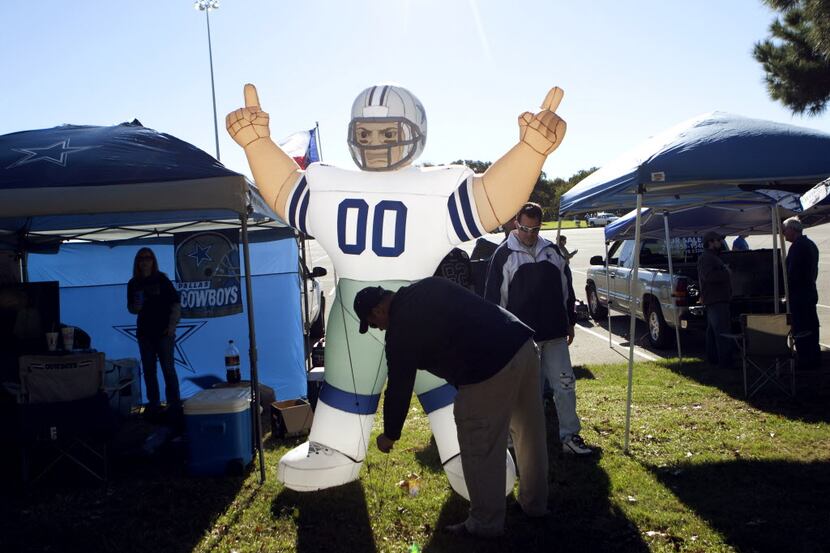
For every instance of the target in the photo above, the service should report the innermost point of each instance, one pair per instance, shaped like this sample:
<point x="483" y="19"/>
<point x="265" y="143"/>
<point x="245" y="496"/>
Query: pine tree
<point x="796" y="57"/>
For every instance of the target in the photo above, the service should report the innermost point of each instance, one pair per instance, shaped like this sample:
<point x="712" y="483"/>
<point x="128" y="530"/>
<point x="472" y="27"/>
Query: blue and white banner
<point x="207" y="273"/>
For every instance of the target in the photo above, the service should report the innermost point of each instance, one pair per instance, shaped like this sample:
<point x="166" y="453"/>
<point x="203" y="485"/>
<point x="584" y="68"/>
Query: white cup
<point x="52" y="341"/>
<point x="68" y="334"/>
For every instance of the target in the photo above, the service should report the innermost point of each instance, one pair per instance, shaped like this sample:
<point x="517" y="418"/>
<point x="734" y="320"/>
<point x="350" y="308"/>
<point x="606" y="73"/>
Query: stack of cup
<point x="52" y="341"/>
<point x="68" y="335"/>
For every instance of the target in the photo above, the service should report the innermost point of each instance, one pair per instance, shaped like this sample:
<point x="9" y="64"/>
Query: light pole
<point x="206" y="6"/>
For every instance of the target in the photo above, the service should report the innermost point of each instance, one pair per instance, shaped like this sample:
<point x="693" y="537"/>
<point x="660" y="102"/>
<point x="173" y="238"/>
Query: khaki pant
<point x="484" y="413"/>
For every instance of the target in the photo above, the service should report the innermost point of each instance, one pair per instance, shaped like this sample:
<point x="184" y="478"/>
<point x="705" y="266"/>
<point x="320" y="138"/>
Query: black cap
<point x="365" y="301"/>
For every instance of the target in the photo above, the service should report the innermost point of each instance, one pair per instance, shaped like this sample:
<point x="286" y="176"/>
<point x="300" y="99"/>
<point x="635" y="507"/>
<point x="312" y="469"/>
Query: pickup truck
<point x="601" y="219"/>
<point x="751" y="275"/>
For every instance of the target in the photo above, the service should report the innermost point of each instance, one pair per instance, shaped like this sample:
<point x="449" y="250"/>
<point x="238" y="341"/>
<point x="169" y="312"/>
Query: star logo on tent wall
<point x="58" y="154"/>
<point x="200" y="253"/>
<point x="184" y="330"/>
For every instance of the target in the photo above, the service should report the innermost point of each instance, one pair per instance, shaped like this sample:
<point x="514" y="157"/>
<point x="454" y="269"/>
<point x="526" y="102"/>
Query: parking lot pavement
<point x="591" y="343"/>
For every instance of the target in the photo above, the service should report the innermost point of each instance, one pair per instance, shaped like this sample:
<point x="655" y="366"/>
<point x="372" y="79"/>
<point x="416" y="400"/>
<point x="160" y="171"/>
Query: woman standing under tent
<point x="152" y="297"/>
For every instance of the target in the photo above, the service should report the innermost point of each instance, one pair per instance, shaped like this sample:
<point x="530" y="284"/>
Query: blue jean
<point x="718" y="322"/>
<point x="160" y="349"/>
<point x="557" y="369"/>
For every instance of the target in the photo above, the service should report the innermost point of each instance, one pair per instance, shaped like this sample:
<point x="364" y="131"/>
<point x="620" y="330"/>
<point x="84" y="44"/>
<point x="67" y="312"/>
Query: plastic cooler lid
<point x="218" y="401"/>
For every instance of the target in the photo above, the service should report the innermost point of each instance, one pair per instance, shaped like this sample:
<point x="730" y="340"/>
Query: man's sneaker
<point x="576" y="445"/>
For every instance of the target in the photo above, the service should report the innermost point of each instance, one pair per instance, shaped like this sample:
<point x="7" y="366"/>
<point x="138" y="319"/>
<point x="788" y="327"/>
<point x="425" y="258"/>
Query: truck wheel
<point x="659" y="333"/>
<point x="595" y="309"/>
<point x="318" y="327"/>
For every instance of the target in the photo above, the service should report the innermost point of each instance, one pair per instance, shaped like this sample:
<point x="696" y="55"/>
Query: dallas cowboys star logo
<point x="200" y="253"/>
<point x="58" y="154"/>
<point x="184" y="330"/>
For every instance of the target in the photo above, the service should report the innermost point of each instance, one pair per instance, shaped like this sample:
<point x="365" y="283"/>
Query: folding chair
<point x="767" y="352"/>
<point x="63" y="414"/>
<point x="67" y="432"/>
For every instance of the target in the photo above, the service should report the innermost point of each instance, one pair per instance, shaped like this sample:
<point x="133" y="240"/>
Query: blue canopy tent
<point x="726" y="218"/>
<point x="126" y="184"/>
<point x="713" y="157"/>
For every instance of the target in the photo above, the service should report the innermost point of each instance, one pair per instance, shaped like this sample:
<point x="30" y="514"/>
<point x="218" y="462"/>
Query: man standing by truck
<point x="802" y="272"/>
<point x="715" y="294"/>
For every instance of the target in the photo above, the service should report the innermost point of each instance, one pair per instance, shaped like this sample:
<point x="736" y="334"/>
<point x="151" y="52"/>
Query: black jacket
<point x="535" y="284"/>
<point x="438" y="326"/>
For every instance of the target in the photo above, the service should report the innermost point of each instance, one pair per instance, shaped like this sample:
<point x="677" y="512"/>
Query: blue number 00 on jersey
<point x="388" y="232"/>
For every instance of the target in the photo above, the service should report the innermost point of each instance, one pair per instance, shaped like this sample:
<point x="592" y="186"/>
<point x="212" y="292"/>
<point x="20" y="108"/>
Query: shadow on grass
<point x="758" y="505"/>
<point x="428" y="457"/>
<point x="582" y="373"/>
<point x="809" y="405"/>
<point x="335" y="518"/>
<point x="691" y="341"/>
<point x="583" y="518"/>
<point x="149" y="504"/>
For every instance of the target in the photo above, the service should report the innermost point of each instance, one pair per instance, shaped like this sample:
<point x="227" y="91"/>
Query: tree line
<point x="546" y="192"/>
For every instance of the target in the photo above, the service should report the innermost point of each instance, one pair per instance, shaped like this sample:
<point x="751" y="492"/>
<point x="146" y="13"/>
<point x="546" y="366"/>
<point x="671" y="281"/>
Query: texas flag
<point x="302" y="146"/>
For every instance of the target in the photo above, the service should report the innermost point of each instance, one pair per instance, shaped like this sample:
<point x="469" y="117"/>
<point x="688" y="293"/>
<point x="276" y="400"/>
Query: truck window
<point x="684" y="249"/>
<point x="626" y="257"/>
<point x="653" y="252"/>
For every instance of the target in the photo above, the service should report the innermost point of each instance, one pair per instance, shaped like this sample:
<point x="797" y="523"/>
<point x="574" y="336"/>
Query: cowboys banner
<point x="207" y="273"/>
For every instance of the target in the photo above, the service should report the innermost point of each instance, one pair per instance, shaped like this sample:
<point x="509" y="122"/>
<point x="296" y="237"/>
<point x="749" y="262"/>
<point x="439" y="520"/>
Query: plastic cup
<point x="52" y="341"/>
<point x="68" y="335"/>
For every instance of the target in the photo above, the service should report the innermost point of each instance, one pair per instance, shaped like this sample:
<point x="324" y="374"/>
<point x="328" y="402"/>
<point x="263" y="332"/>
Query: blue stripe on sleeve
<point x="295" y="200"/>
<point x="456" y="220"/>
<point x="301" y="220"/>
<point x="468" y="211"/>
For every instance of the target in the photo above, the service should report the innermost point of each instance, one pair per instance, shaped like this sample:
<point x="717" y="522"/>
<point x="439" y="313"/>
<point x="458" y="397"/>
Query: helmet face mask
<point x="383" y="144"/>
<point x="388" y="128"/>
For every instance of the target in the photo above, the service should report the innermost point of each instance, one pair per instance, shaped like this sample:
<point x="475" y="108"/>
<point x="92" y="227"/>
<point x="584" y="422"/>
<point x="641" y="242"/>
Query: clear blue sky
<point x="629" y="69"/>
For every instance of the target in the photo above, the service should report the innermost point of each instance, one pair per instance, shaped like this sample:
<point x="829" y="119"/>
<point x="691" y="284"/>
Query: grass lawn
<point x="707" y="471"/>
<point x="566" y="224"/>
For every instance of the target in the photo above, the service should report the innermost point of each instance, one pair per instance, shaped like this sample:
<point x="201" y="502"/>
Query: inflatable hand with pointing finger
<point x="388" y="224"/>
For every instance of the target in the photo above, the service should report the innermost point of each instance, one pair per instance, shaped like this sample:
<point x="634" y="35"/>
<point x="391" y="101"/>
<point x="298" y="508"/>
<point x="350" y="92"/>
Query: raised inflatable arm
<point x="274" y="172"/>
<point x="507" y="184"/>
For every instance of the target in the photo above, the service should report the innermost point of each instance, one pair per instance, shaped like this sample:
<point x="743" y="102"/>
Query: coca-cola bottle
<point x="232" y="371"/>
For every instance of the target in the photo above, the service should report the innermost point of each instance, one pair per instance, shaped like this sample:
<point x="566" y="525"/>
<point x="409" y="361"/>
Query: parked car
<point x="752" y="285"/>
<point x="601" y="219"/>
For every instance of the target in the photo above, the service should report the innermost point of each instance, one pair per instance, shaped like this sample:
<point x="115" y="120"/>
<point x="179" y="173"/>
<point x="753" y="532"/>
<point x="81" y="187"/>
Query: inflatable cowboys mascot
<point x="388" y="224"/>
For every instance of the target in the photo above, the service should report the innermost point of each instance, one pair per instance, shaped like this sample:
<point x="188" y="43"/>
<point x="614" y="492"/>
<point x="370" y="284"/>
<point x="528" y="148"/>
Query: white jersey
<point x="388" y="225"/>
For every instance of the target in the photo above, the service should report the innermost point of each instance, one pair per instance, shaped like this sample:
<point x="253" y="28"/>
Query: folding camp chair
<point x="63" y="414"/>
<point x="767" y="353"/>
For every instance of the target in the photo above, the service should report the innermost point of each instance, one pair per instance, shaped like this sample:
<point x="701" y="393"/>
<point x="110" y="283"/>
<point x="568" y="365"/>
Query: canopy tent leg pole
<point x="306" y="323"/>
<point x="783" y="253"/>
<point x="632" y="308"/>
<point x="776" y="305"/>
<point x="607" y="295"/>
<point x="252" y="351"/>
<point x="558" y="229"/>
<point x="671" y="287"/>
<point x="23" y="262"/>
